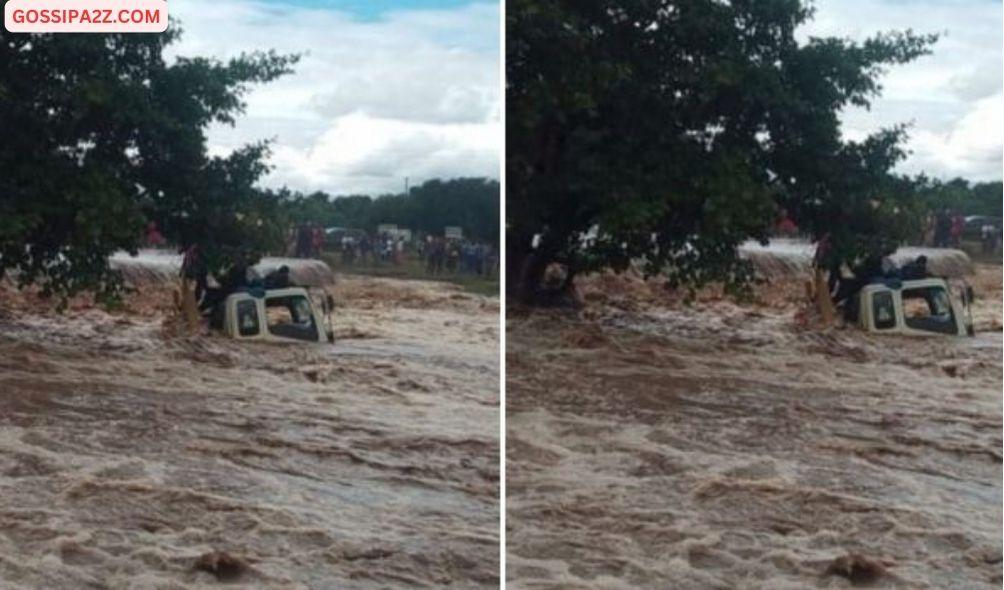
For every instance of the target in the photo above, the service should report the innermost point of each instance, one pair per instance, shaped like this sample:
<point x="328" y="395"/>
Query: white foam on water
<point x="789" y="258"/>
<point x="162" y="266"/>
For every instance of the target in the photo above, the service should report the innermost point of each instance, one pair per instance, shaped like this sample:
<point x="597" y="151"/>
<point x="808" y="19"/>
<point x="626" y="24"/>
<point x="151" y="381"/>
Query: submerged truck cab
<point x="281" y="315"/>
<point x="922" y="307"/>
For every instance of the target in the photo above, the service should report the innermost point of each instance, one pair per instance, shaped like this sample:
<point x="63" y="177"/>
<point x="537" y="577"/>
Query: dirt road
<point x="131" y="459"/>
<point x="654" y="446"/>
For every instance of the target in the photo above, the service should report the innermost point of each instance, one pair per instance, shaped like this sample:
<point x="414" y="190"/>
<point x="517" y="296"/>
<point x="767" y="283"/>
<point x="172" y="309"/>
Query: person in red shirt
<point x="317" y="240"/>
<point x="154" y="239"/>
<point x="958" y="224"/>
<point x="785" y="226"/>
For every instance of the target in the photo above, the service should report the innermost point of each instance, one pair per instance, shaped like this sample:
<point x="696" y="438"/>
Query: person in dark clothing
<point x="304" y="241"/>
<point x="942" y="229"/>
<point x="844" y="290"/>
<point x="958" y="226"/>
<point x="194" y="268"/>
<point x="278" y="279"/>
<point x="914" y="270"/>
<point x="234" y="279"/>
<point x="869" y="269"/>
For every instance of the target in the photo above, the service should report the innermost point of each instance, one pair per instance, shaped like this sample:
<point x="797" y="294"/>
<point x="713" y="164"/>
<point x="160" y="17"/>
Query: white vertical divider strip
<point x="502" y="301"/>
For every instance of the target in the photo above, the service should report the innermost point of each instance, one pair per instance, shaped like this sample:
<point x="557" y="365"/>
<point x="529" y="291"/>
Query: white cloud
<point x="364" y="151"/>
<point x="415" y="93"/>
<point x="972" y="148"/>
<point x="953" y="98"/>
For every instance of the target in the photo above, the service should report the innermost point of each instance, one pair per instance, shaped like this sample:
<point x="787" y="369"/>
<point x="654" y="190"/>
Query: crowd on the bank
<point x="308" y="240"/>
<point x="364" y="249"/>
<point x="445" y="255"/>
<point x="438" y="255"/>
<point x="946" y="228"/>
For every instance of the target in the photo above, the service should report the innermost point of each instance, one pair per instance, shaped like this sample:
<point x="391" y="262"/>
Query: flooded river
<point x="652" y="445"/>
<point x="130" y="458"/>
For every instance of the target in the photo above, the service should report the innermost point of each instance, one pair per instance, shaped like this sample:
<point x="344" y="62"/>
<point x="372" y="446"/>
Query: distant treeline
<point x="981" y="198"/>
<point x="471" y="203"/>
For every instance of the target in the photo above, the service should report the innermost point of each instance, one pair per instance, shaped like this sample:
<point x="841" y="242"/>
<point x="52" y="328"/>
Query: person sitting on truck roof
<point x="845" y="289"/>
<point x="915" y="269"/>
<point x="278" y="279"/>
<point x="235" y="278"/>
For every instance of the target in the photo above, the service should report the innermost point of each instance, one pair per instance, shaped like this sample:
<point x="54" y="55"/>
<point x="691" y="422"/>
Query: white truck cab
<point x="922" y="307"/>
<point x="278" y="315"/>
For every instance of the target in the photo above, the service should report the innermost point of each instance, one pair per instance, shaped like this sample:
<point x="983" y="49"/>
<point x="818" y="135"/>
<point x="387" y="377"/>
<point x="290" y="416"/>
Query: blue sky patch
<point x="374" y="9"/>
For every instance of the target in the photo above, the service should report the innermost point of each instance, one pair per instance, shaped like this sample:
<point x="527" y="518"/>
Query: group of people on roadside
<point x="308" y="240"/>
<point x="444" y="255"/>
<point x="438" y="254"/>
<point x="381" y="249"/>
<point x="945" y="228"/>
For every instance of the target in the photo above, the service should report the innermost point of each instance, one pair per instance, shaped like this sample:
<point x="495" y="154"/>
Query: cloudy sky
<point x="395" y="88"/>
<point x="385" y="88"/>
<point x="954" y="97"/>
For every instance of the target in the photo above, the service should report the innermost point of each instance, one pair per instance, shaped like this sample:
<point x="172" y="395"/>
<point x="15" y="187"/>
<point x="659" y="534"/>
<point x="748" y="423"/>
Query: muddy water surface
<point x="132" y="459"/>
<point x="724" y="446"/>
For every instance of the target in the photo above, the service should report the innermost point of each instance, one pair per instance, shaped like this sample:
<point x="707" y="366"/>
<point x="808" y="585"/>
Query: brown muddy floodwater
<point x="723" y="446"/>
<point x="132" y="459"/>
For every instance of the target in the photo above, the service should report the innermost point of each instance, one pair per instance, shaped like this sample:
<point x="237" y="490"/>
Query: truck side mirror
<point x="330" y="301"/>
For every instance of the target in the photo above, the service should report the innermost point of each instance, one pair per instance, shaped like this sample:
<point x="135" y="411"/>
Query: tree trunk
<point x="514" y="260"/>
<point x="531" y="275"/>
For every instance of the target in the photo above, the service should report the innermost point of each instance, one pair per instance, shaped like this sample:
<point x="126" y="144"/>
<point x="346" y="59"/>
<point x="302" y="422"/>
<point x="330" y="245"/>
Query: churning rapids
<point x="654" y="445"/>
<point x="131" y="458"/>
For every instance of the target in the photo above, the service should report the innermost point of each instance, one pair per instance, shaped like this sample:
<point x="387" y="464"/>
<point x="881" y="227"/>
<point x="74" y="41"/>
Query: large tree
<point x="671" y="131"/>
<point x="102" y="134"/>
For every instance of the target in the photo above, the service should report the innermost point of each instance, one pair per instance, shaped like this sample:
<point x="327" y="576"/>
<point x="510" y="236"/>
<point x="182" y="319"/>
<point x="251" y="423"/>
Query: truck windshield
<point x="928" y="309"/>
<point x="291" y="317"/>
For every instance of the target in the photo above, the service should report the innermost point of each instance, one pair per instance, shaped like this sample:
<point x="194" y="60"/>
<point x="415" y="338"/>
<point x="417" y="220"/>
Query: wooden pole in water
<point x="823" y="301"/>
<point x="188" y="307"/>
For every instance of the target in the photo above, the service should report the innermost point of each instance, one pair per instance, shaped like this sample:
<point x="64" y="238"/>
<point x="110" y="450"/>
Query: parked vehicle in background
<point x="335" y="235"/>
<point x="976" y="223"/>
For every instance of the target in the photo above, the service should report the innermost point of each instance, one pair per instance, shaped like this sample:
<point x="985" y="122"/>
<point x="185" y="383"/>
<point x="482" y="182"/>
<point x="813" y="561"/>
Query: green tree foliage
<point x="471" y="203"/>
<point x="102" y="134"/>
<point x="671" y="131"/>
